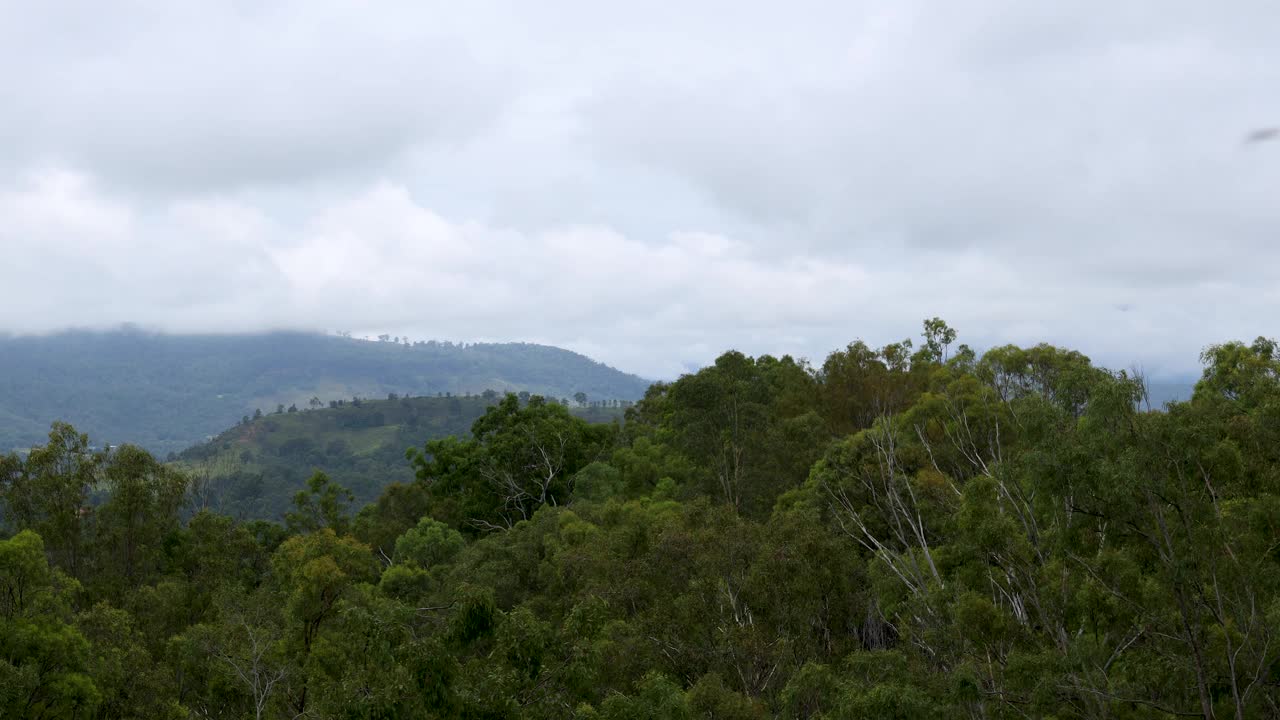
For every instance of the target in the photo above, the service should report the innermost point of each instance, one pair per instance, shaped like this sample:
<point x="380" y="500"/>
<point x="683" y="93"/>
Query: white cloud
<point x="219" y="95"/>
<point x="380" y="260"/>
<point x="650" y="184"/>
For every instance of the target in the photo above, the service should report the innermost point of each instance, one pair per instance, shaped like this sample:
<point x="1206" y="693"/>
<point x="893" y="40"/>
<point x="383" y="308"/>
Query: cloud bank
<point x="650" y="186"/>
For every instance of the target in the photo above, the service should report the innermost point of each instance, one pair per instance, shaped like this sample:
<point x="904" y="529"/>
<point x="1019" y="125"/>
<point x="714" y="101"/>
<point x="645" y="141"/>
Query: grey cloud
<point x="213" y="97"/>
<point x="651" y="183"/>
<point x="963" y="127"/>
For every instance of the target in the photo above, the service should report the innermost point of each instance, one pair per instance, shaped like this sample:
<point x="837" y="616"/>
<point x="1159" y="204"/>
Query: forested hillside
<point x="168" y="392"/>
<point x="253" y="470"/>
<point x="911" y="532"/>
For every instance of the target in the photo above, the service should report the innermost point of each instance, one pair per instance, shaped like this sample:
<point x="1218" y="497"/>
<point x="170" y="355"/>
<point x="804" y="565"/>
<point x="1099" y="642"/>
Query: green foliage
<point x="322" y="505"/>
<point x="656" y="698"/>
<point x="25" y="576"/>
<point x="748" y="425"/>
<point x="522" y="456"/>
<point x="140" y="512"/>
<point x="131" y="684"/>
<point x="1243" y="373"/>
<point x="903" y="533"/>
<point x="710" y="698"/>
<point x="44" y="658"/>
<point x="256" y="468"/>
<point x="397" y="509"/>
<point x="48" y="494"/>
<point x="428" y="544"/>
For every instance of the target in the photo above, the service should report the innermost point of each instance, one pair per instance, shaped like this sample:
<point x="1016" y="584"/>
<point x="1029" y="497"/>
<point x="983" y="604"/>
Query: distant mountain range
<point x="169" y="392"/>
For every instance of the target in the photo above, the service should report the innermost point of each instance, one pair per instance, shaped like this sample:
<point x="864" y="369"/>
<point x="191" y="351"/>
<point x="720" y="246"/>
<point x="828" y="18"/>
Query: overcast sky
<point x="648" y="183"/>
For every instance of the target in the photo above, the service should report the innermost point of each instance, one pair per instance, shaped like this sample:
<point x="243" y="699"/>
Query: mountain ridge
<point x="167" y="392"/>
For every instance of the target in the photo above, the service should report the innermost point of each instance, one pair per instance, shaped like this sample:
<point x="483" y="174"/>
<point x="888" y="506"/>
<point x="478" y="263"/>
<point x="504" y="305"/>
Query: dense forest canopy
<point x="168" y="392"/>
<point x="913" y="531"/>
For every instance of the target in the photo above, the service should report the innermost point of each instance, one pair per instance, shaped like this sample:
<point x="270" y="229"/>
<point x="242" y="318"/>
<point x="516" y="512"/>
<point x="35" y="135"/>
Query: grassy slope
<point x="167" y="392"/>
<point x="254" y="470"/>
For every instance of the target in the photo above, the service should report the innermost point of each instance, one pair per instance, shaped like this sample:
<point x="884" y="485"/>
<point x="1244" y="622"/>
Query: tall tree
<point x="522" y="456"/>
<point x="49" y="494"/>
<point x="141" y="509"/>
